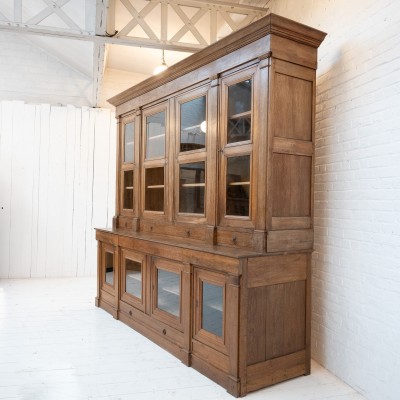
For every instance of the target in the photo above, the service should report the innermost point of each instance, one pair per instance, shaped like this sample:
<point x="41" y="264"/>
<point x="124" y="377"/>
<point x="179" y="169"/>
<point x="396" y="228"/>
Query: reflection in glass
<point x="168" y="293"/>
<point x="155" y="135"/>
<point x="191" y="188"/>
<point x="238" y="186"/>
<point x="239" y="112"/>
<point x="133" y="278"/>
<point x="212" y="308"/>
<point x="129" y="143"/>
<point x="109" y="268"/>
<point x="154" y="194"/>
<point x="128" y="190"/>
<point x="193" y="124"/>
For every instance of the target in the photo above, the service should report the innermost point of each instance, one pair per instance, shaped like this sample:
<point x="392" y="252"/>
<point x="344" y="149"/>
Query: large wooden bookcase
<point x="209" y="255"/>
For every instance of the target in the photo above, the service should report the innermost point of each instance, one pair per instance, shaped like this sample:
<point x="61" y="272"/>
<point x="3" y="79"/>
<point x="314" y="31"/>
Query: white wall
<point x="356" y="268"/>
<point x="57" y="182"/>
<point x="116" y="81"/>
<point x="34" y="75"/>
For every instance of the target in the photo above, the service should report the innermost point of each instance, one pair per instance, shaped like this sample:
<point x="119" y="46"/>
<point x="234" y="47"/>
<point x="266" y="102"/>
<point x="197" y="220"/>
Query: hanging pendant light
<point x="161" y="67"/>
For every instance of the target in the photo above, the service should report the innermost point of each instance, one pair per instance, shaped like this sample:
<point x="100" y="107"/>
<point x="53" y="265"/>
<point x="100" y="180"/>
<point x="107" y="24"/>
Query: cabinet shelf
<point x="155" y="187"/>
<point x="129" y="143"/>
<point x="238" y="183"/>
<point x="193" y="185"/>
<point x="156" y="137"/>
<point x="240" y="115"/>
<point x="128" y="187"/>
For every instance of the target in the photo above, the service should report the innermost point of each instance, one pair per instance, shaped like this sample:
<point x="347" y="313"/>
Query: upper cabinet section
<point x="219" y="148"/>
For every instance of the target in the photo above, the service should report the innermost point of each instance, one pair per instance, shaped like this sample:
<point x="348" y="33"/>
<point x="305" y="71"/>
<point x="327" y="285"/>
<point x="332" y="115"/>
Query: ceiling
<point x="124" y="35"/>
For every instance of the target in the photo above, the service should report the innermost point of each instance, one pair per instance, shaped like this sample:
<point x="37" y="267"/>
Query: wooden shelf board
<point x="238" y="183"/>
<point x="156" y="137"/>
<point x="240" y="115"/>
<point x="193" y="185"/>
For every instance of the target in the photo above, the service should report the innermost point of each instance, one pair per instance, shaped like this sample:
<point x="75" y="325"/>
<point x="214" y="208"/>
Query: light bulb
<point x="161" y="67"/>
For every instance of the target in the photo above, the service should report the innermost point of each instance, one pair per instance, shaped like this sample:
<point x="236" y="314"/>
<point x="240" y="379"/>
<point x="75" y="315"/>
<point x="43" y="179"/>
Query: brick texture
<point x="356" y="263"/>
<point x="31" y="74"/>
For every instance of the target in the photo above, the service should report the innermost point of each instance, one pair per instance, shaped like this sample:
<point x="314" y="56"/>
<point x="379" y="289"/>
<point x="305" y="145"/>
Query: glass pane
<point x="128" y="190"/>
<point x="129" y="143"/>
<point x="109" y="268"/>
<point x="155" y="135"/>
<point x="168" y="294"/>
<point x="238" y="186"/>
<point x="212" y="308"/>
<point x="133" y="278"/>
<point x="239" y="112"/>
<point x="154" y="195"/>
<point x="191" y="188"/>
<point x="193" y="124"/>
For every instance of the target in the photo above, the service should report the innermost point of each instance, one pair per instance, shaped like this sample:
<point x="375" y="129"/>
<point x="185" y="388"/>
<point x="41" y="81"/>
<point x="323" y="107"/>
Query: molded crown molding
<point x="270" y="24"/>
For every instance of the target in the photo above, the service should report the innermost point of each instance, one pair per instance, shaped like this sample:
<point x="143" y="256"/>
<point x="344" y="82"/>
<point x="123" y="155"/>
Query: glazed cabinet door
<point x="237" y="199"/>
<point x="210" y="303"/>
<point x="108" y="275"/>
<point x="128" y="165"/>
<point x="133" y="278"/>
<point x="191" y="139"/>
<point x="170" y="292"/>
<point x="109" y="270"/>
<point x="155" y="175"/>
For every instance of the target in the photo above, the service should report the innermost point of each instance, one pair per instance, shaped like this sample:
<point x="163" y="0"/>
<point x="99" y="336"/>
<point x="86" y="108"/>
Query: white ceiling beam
<point x="218" y="5"/>
<point x="105" y="22"/>
<point x="99" y="62"/>
<point x="88" y="36"/>
<point x="42" y="15"/>
<point x="201" y="8"/>
<point x="189" y="24"/>
<point x="164" y="22"/>
<point x="134" y="22"/>
<point x="105" y="17"/>
<point x="61" y="14"/>
<point x="136" y="15"/>
<point x="111" y="18"/>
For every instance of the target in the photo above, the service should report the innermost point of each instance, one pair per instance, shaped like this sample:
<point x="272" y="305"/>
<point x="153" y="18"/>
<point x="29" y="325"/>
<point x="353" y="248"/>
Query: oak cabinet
<point x="209" y="255"/>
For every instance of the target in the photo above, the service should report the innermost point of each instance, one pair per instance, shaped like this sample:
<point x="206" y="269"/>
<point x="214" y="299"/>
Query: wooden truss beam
<point x="105" y="33"/>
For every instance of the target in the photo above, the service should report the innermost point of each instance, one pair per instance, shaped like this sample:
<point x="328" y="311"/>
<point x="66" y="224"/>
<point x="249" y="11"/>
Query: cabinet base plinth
<point x="107" y="307"/>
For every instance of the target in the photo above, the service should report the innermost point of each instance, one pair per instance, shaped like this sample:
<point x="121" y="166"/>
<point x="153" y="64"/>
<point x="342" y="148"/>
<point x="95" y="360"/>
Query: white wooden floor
<point x="55" y="345"/>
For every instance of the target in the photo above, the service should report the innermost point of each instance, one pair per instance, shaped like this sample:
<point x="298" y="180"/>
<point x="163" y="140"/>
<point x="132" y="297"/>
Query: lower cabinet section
<point x="238" y="317"/>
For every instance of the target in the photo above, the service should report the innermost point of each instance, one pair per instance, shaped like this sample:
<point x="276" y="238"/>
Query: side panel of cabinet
<point x="278" y="322"/>
<point x="290" y="157"/>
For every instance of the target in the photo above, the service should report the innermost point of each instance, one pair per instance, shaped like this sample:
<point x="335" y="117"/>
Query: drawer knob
<point x="130" y="312"/>
<point x="164" y="331"/>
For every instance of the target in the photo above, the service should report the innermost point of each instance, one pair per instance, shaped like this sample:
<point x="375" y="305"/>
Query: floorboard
<point x="55" y="345"/>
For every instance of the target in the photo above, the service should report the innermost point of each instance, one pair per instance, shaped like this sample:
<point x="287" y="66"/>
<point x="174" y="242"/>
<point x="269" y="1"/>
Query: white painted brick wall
<point x="30" y="74"/>
<point x="356" y="264"/>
